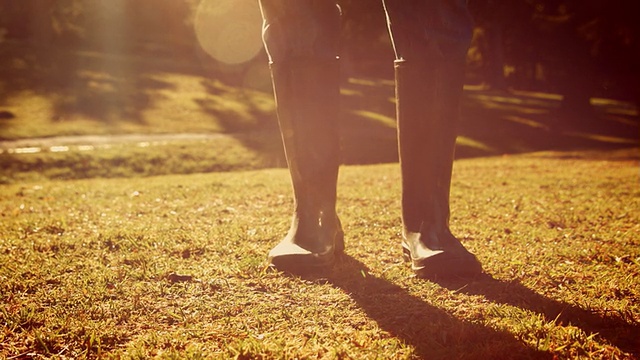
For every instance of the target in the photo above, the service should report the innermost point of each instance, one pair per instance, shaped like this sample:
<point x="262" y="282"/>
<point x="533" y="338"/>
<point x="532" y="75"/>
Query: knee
<point x="298" y="29"/>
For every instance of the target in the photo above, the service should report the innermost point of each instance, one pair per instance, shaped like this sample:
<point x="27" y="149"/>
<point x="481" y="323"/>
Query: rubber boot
<point x="307" y="95"/>
<point x="428" y="95"/>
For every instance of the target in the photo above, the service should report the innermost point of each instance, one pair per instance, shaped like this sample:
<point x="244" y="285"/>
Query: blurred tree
<point x="616" y="49"/>
<point x="37" y="26"/>
<point x="595" y="49"/>
<point x="366" y="47"/>
<point x="569" y="29"/>
<point x="492" y="18"/>
<point x="579" y="48"/>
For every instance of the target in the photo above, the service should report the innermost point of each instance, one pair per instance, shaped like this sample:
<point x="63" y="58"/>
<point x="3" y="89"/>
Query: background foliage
<point x="579" y="48"/>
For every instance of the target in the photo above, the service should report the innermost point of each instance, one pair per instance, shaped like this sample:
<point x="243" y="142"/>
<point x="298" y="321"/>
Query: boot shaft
<point x="307" y="97"/>
<point x="428" y="99"/>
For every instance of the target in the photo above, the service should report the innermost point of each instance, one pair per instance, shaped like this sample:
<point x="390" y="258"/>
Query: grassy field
<point x="145" y="248"/>
<point x="174" y="266"/>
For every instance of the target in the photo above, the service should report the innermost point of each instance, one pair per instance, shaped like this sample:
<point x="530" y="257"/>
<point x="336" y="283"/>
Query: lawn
<point x="156" y="248"/>
<point x="174" y="266"/>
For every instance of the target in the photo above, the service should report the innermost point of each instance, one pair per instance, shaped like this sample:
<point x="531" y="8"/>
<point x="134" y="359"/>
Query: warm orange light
<point x="229" y="30"/>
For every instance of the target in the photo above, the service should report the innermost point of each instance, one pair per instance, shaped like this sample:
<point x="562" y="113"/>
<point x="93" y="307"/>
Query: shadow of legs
<point x="431" y="331"/>
<point x="611" y="328"/>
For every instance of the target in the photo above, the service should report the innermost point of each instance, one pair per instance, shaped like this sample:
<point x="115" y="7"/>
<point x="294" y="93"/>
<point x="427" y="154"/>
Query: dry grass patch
<point x="173" y="267"/>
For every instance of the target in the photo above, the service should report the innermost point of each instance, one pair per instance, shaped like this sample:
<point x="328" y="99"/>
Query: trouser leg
<point x="301" y="38"/>
<point x="430" y="39"/>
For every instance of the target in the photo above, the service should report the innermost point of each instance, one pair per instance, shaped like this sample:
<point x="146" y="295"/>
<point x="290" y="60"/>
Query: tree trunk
<point x="495" y="67"/>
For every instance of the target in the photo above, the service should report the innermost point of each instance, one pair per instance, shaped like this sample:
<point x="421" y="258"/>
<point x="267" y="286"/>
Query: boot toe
<point x="292" y="258"/>
<point x="444" y="264"/>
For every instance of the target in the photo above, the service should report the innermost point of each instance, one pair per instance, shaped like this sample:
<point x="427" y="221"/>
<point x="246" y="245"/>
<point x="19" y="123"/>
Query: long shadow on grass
<point x="431" y="331"/>
<point x="613" y="328"/>
<point x="518" y="122"/>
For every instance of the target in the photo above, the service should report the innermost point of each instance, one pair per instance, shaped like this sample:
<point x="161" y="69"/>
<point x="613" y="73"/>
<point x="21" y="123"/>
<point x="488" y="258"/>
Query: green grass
<point x="131" y="251"/>
<point x="141" y="159"/>
<point x="173" y="266"/>
<point x="52" y="92"/>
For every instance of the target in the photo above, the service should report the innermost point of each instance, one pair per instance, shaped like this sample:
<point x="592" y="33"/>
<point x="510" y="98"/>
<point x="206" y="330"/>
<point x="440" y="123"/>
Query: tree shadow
<point x="368" y="121"/>
<point x="104" y="67"/>
<point x="105" y="87"/>
<point x="610" y="327"/>
<point x="116" y="88"/>
<point x="108" y="88"/>
<point x="245" y="113"/>
<point x="492" y="123"/>
<point x="93" y="61"/>
<point x="431" y="331"/>
<point x="239" y="109"/>
<point x="519" y="122"/>
<point x="367" y="135"/>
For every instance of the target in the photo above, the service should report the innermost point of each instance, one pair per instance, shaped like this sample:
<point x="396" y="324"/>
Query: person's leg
<point x="301" y="39"/>
<point x="430" y="39"/>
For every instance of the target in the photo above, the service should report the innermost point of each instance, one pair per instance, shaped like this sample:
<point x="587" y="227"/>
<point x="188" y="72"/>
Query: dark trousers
<point x="420" y="30"/>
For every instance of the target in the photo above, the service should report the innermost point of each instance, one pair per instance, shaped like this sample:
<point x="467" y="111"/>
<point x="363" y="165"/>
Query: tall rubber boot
<point x="428" y="95"/>
<point x="307" y="95"/>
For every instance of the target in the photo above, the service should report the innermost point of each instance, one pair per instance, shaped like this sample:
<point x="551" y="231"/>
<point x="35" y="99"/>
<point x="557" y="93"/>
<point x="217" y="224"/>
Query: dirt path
<point x="91" y="142"/>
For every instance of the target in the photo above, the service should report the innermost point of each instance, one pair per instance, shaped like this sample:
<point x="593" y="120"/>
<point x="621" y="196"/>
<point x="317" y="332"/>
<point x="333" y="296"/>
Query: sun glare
<point x="229" y="30"/>
<point x="110" y="21"/>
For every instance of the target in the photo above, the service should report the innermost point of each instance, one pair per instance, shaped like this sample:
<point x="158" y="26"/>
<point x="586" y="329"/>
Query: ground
<point x="174" y="266"/>
<point x="122" y="237"/>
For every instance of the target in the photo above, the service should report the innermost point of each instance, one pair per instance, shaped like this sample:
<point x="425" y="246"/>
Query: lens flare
<point x="229" y="30"/>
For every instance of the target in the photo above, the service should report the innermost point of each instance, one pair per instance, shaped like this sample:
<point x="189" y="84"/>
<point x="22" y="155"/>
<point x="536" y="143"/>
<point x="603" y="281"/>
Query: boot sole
<point x="444" y="265"/>
<point x="303" y="264"/>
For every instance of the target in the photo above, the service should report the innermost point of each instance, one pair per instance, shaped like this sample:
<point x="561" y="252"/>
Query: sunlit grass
<point x="604" y="139"/>
<point x="100" y="256"/>
<point x="525" y="121"/>
<point x="464" y="141"/>
<point x="108" y="160"/>
<point x="173" y="266"/>
<point x="89" y="92"/>
<point x="182" y="104"/>
<point x="377" y="118"/>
